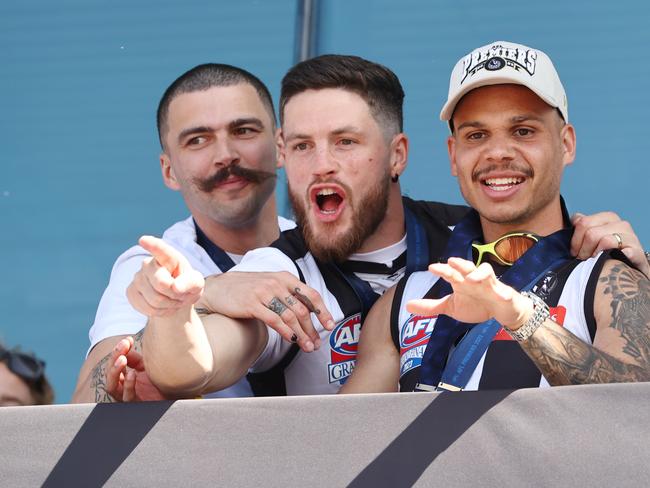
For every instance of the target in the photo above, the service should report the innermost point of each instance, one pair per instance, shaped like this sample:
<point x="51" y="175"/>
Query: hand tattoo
<point x="305" y="301"/>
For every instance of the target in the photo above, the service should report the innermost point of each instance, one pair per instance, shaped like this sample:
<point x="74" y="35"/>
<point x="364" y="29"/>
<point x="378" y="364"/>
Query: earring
<point x="394" y="178"/>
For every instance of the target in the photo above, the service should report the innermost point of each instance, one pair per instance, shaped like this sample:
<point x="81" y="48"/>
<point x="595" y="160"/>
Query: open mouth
<point x="328" y="201"/>
<point x="502" y="184"/>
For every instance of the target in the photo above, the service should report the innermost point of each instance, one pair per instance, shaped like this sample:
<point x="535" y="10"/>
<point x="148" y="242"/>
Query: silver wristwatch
<point x="540" y="314"/>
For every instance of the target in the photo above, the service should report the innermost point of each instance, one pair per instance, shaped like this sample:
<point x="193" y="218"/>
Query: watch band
<point x="540" y="313"/>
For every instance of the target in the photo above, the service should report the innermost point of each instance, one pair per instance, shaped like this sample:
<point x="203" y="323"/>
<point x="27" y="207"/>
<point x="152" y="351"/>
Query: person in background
<point x="22" y="379"/>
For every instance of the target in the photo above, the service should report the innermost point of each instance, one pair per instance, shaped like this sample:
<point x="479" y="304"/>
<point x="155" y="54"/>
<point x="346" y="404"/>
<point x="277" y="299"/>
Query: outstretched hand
<point x="166" y="281"/>
<point x="478" y="296"/>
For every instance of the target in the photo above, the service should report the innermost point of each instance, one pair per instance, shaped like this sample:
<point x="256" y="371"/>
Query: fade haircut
<point x="377" y="85"/>
<point x="204" y="77"/>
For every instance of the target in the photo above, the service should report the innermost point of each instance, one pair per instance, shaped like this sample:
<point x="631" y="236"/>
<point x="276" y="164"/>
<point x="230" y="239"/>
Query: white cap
<point x="504" y="62"/>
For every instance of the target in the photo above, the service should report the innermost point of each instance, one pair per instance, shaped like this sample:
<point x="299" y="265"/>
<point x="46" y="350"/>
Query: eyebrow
<point x="518" y="119"/>
<point x="201" y="129"/>
<point x="342" y="130"/>
<point x="246" y="121"/>
<point x="471" y="123"/>
<point x="526" y="117"/>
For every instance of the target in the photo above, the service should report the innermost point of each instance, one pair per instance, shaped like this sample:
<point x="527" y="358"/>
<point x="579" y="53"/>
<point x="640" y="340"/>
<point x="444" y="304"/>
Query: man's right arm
<point x="186" y="355"/>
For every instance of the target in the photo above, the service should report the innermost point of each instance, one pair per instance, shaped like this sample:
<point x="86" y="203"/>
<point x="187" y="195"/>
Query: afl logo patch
<point x="413" y="339"/>
<point x="344" y="340"/>
<point x="495" y="64"/>
<point x="416" y="331"/>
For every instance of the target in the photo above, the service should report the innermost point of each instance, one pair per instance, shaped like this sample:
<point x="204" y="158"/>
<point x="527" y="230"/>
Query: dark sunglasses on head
<point x="506" y="249"/>
<point x="27" y="366"/>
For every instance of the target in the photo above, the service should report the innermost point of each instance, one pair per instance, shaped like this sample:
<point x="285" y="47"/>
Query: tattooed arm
<point x="91" y="385"/>
<point x="621" y="349"/>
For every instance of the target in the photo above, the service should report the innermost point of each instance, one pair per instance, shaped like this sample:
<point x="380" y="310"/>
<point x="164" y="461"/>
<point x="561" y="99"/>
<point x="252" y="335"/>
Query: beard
<point x="367" y="213"/>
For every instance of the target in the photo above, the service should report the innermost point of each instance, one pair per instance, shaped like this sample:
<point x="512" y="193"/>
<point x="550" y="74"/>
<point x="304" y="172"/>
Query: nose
<point x="499" y="148"/>
<point x="225" y="153"/>
<point x="324" y="162"/>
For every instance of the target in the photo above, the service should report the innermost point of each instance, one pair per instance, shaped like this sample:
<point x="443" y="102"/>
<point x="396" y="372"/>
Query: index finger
<point x="164" y="254"/>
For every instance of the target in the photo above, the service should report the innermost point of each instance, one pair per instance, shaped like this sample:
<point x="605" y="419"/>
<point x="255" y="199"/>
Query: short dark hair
<point x="204" y="77"/>
<point x="376" y="84"/>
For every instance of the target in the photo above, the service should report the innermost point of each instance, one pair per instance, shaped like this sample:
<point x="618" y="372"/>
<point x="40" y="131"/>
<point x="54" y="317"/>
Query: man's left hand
<point x="594" y="233"/>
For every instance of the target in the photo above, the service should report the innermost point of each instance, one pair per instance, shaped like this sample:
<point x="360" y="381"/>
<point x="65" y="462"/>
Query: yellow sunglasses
<point x="506" y="249"/>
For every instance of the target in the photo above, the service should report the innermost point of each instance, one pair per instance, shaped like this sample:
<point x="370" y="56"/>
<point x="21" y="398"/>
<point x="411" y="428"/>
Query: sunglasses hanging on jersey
<point x="27" y="366"/>
<point x="506" y="249"/>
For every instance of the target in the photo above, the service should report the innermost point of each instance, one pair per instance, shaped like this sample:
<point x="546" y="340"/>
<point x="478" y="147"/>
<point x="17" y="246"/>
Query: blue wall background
<point x="81" y="79"/>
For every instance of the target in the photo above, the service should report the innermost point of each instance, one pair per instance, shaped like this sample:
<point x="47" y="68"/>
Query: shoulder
<point x="443" y="213"/>
<point x="285" y="224"/>
<point x="622" y="311"/>
<point x="268" y="259"/>
<point x="291" y="243"/>
<point x="619" y="279"/>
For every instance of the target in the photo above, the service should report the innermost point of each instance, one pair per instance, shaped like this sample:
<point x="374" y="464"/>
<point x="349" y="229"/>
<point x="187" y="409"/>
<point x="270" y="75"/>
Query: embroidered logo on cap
<point x="494" y="64"/>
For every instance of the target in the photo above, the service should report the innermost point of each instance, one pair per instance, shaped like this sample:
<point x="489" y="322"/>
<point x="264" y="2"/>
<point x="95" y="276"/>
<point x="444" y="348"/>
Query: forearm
<point x="564" y="359"/>
<point x="177" y="353"/>
<point x="366" y="381"/>
<point x="91" y="386"/>
<point x="92" y="383"/>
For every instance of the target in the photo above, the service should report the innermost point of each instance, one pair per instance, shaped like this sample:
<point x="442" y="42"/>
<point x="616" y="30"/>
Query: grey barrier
<point x="597" y="435"/>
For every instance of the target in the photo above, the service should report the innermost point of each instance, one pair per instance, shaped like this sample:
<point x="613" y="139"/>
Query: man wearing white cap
<point x="517" y="311"/>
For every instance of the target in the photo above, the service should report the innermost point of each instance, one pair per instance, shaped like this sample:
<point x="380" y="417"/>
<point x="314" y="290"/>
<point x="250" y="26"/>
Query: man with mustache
<point x="574" y="322"/>
<point x="216" y="126"/>
<point x="343" y="150"/>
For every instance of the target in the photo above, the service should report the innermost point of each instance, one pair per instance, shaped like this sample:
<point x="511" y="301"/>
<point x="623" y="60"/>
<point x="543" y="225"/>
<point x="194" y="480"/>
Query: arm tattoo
<point x="98" y="375"/>
<point x="98" y="381"/>
<point x="630" y="310"/>
<point x="565" y="359"/>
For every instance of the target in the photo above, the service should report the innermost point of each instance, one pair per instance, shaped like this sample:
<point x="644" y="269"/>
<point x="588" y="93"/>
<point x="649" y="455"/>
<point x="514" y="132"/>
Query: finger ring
<point x="618" y="238"/>
<point x="275" y="305"/>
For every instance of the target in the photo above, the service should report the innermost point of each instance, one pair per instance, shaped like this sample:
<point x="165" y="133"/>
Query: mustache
<point x="479" y="173"/>
<point x="253" y="175"/>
